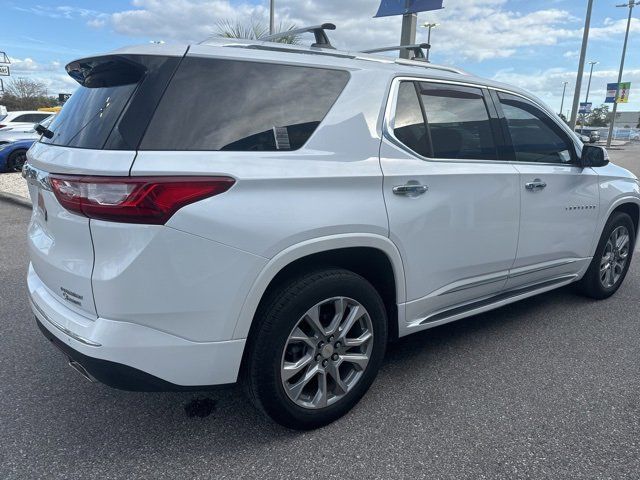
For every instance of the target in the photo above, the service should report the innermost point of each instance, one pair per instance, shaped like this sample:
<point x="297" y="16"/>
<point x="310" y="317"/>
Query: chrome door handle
<point x="410" y="189"/>
<point x="537" y="184"/>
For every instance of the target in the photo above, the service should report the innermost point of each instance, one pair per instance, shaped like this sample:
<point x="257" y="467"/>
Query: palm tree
<point x="252" y="30"/>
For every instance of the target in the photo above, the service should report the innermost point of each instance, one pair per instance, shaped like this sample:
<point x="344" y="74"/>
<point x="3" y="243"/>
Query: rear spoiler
<point x="105" y="71"/>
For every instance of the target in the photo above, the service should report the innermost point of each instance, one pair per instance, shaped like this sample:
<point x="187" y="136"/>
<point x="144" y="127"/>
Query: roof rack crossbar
<point x="416" y="48"/>
<point x="322" y="41"/>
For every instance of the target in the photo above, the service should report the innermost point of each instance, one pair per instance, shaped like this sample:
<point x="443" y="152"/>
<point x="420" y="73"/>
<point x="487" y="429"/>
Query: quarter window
<point x="535" y="136"/>
<point x="217" y="104"/>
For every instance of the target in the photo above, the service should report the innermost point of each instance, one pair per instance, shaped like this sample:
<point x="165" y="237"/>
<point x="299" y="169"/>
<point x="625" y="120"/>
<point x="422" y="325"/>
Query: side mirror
<point x="584" y="139"/>
<point x="593" y="156"/>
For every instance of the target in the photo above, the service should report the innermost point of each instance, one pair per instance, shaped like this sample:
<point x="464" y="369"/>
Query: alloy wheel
<point x="614" y="257"/>
<point x="327" y="352"/>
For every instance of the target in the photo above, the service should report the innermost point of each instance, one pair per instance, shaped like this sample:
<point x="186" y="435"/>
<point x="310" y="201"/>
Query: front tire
<point x="317" y="348"/>
<point x="16" y="161"/>
<point x="613" y="256"/>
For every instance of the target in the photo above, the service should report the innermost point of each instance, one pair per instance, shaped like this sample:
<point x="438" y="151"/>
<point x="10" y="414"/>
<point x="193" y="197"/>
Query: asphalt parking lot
<point x="545" y="388"/>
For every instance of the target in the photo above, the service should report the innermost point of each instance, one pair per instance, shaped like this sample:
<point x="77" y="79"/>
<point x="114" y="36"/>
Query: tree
<point x="252" y="30"/>
<point x="564" y="119"/>
<point x="598" y="116"/>
<point x="23" y="93"/>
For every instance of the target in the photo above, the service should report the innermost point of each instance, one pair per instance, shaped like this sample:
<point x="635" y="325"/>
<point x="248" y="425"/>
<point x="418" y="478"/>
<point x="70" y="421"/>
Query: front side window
<point x="217" y="104"/>
<point x="459" y="122"/>
<point x="535" y="137"/>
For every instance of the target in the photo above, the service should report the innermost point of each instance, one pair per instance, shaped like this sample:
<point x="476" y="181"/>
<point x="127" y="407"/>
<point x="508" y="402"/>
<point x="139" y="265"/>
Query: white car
<point x="23" y="118"/>
<point x="23" y="132"/>
<point x="273" y="214"/>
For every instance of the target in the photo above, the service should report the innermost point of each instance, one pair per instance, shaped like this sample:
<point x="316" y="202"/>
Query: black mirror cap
<point x="593" y="156"/>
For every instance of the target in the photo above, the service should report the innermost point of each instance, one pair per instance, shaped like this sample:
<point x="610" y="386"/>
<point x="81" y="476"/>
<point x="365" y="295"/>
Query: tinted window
<point x="21" y="118"/>
<point x="409" y="126"/>
<point x="35" y="117"/>
<point x="214" y="104"/>
<point x="88" y="116"/>
<point x="112" y="107"/>
<point x="458" y="122"/>
<point x="535" y="137"/>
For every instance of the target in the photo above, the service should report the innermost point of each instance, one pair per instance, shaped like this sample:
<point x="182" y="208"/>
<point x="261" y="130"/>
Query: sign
<point x="4" y="70"/>
<point x="585" y="107"/>
<point x="63" y="97"/>
<point x="4" y="58"/>
<point x="389" y="8"/>
<point x="618" y="92"/>
<point x="623" y="92"/>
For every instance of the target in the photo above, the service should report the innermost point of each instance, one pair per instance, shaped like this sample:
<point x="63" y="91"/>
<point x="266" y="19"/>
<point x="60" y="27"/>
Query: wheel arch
<point x="347" y="251"/>
<point x="627" y="204"/>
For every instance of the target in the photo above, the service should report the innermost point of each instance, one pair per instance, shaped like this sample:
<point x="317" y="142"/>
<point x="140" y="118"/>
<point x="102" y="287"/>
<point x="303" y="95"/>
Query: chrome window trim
<point x="389" y="120"/>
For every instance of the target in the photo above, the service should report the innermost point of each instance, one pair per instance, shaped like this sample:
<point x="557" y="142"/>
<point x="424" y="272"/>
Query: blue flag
<point x="389" y="8"/>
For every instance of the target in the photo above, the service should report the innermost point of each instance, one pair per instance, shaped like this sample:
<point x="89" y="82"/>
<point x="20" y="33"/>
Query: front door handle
<point x="410" y="189"/>
<point x="537" y="184"/>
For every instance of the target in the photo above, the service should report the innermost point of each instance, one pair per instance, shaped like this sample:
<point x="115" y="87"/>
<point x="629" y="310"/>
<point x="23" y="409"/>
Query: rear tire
<point x="333" y="323"/>
<point x="612" y="259"/>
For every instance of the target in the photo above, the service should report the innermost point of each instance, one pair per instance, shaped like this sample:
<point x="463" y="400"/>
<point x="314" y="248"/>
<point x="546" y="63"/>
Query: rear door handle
<point x="537" y="184"/>
<point x="410" y="189"/>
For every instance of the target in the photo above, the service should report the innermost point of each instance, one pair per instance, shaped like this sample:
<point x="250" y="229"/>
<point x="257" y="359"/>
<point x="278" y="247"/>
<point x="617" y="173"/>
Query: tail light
<point x="150" y="200"/>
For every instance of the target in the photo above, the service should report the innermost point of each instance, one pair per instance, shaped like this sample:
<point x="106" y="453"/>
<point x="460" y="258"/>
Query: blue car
<point x="13" y="155"/>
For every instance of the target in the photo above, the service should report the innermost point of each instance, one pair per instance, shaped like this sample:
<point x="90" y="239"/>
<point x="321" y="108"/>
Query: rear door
<point x="96" y="133"/>
<point x="453" y="205"/>
<point x="559" y="199"/>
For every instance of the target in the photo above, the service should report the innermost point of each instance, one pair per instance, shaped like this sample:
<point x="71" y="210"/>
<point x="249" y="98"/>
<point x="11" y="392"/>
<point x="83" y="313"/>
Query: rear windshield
<point x="214" y="104"/>
<point x="89" y="116"/>
<point x="113" y="104"/>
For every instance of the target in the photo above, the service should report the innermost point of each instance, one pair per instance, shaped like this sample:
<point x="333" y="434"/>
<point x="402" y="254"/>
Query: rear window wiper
<point x="42" y="130"/>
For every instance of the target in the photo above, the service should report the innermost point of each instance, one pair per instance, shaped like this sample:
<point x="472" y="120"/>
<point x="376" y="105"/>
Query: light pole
<point x="583" y="53"/>
<point x="429" y="26"/>
<point x="564" y="89"/>
<point x="586" y="97"/>
<point x="272" y="12"/>
<point x="630" y="5"/>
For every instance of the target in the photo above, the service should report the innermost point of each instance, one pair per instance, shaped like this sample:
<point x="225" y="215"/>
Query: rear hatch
<point x="96" y="133"/>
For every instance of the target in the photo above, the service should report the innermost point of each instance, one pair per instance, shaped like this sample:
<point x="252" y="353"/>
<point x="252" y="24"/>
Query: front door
<point x="559" y="200"/>
<point x="453" y="206"/>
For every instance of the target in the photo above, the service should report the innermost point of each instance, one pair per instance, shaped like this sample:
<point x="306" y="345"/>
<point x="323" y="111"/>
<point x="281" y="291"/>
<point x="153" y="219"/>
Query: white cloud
<point x="470" y="29"/>
<point x="52" y="74"/>
<point x="93" y="17"/>
<point x="547" y="84"/>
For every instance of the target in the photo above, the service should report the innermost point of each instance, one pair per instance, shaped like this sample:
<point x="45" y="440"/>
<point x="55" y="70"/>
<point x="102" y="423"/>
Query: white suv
<point x="276" y="214"/>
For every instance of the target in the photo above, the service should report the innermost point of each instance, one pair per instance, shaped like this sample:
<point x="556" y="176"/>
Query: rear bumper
<point x="129" y="356"/>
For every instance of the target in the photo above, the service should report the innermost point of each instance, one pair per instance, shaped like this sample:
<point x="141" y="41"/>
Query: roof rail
<point x="322" y="41"/>
<point x="423" y="64"/>
<point x="416" y="48"/>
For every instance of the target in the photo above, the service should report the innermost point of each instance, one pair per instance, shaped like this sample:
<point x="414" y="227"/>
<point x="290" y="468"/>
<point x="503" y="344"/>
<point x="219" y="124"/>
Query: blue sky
<point x="533" y="44"/>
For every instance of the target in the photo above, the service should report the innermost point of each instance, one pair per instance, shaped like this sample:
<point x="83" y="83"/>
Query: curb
<point x="16" y="199"/>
